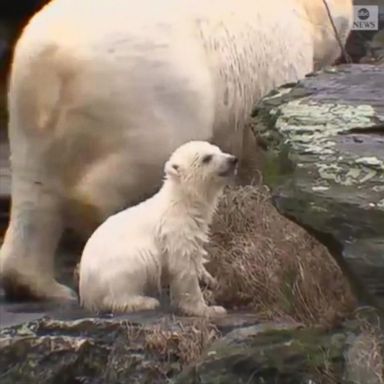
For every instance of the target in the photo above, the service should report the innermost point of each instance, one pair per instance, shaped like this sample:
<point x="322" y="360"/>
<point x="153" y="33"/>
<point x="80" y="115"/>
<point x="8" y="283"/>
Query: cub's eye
<point x="206" y="159"/>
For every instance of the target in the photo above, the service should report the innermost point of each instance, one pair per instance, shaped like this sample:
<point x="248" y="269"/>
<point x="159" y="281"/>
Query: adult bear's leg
<point x="27" y="255"/>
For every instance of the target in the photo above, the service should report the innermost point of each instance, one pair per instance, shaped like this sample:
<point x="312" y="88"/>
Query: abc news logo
<point x="366" y="18"/>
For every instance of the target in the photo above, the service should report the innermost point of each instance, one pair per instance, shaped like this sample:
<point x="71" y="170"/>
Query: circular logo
<point x="363" y="14"/>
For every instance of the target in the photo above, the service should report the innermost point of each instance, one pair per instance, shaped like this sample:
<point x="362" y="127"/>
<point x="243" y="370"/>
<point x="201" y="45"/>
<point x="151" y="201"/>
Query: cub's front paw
<point x="215" y="310"/>
<point x="202" y="311"/>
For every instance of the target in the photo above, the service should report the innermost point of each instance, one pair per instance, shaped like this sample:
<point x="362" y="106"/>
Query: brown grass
<point x="170" y="347"/>
<point x="266" y="263"/>
<point x="186" y="344"/>
<point x="153" y="353"/>
<point x="364" y="358"/>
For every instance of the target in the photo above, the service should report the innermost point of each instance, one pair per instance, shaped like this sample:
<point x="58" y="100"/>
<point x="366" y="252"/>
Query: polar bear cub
<point x="126" y="259"/>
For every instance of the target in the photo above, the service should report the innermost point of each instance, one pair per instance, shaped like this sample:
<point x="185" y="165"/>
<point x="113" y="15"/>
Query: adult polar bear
<point x="102" y="92"/>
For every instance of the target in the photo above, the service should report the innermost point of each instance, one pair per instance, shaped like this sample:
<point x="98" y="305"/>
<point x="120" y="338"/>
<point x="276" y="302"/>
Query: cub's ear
<point x="172" y="170"/>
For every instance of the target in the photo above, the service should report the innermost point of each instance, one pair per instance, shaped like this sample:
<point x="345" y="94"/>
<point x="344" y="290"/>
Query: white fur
<point x="125" y="259"/>
<point x="101" y="93"/>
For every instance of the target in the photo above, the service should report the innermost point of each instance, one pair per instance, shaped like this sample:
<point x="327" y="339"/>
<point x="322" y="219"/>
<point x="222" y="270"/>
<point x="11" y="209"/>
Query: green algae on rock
<point x="323" y="140"/>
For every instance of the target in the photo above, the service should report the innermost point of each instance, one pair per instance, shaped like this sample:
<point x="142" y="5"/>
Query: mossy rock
<point x="263" y="355"/>
<point x="71" y="347"/>
<point x="323" y="139"/>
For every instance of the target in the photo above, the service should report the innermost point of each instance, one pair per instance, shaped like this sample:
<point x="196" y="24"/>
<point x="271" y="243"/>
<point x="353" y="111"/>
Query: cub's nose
<point x="233" y="160"/>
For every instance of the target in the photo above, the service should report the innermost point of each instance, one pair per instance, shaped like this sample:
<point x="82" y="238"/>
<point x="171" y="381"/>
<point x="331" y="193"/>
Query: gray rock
<point x="152" y="348"/>
<point x="359" y="44"/>
<point x="375" y="49"/>
<point x="323" y="141"/>
<point x="289" y="355"/>
<point x="139" y="348"/>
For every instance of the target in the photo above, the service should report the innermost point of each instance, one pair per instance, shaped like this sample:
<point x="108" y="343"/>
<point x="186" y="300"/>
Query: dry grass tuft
<point x="153" y="353"/>
<point x="365" y="359"/>
<point x="168" y="347"/>
<point x="185" y="344"/>
<point x="266" y="263"/>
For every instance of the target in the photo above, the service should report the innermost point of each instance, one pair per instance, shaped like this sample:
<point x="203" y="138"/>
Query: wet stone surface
<point x="71" y="346"/>
<point x="155" y="348"/>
